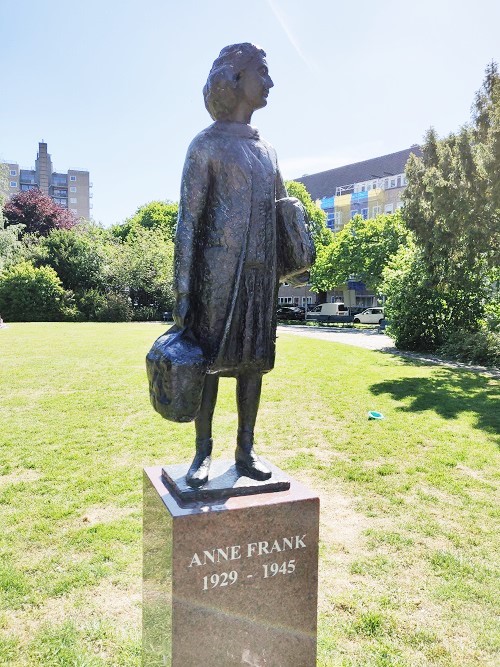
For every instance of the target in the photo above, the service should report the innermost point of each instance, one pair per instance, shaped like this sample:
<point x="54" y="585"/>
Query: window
<point x="307" y="300"/>
<point x="13" y="172"/>
<point x="329" y="217"/>
<point x="399" y="205"/>
<point x="374" y="185"/>
<point x="364" y="213"/>
<point x="72" y="188"/>
<point x="338" y="221"/>
<point x="72" y="200"/>
<point x="72" y="178"/>
<point x="393" y="182"/>
<point x="377" y="210"/>
<point x="389" y="208"/>
<point x="13" y="184"/>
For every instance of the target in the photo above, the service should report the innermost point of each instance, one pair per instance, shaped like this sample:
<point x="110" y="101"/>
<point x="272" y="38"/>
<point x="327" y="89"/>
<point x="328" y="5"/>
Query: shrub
<point x="29" y="294"/>
<point x="117" y="308"/>
<point x="492" y="315"/>
<point x="146" y="314"/>
<point x="423" y="314"/>
<point x="478" y="347"/>
<point x="90" y="302"/>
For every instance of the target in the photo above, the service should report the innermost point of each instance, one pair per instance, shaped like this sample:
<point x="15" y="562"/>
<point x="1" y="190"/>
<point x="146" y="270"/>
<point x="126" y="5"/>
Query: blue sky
<point x="114" y="86"/>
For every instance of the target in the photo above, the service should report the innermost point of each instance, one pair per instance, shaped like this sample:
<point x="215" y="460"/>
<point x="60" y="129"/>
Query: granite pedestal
<point x="232" y="581"/>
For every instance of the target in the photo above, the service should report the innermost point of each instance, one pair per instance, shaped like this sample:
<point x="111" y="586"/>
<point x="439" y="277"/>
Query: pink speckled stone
<point x="232" y="582"/>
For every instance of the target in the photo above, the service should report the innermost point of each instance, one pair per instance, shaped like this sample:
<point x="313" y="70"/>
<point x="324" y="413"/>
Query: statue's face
<point x="255" y="82"/>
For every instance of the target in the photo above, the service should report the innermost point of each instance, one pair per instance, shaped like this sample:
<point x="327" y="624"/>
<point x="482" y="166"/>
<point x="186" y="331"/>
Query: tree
<point x="78" y="255"/>
<point x="317" y="218"/>
<point x="29" y="294"/>
<point x="159" y="215"/>
<point x="10" y="245"/>
<point x="361" y="249"/>
<point x="142" y="268"/>
<point x="452" y="207"/>
<point x="37" y="212"/>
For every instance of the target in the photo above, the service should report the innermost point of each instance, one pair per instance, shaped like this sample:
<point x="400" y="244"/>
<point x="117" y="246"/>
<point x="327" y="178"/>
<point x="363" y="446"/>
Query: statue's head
<point x="240" y="70"/>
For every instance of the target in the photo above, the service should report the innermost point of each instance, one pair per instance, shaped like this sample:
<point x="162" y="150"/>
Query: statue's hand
<point x="181" y="310"/>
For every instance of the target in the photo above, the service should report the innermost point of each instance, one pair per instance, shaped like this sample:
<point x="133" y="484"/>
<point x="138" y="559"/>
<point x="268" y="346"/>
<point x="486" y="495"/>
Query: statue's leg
<point x="248" y="389"/>
<point x="197" y="475"/>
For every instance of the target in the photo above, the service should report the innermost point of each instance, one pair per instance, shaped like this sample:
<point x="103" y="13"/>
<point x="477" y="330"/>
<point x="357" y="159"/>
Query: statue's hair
<point x="220" y="90"/>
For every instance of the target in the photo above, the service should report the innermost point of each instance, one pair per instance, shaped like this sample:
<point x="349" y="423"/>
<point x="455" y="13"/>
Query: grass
<point x="409" y="533"/>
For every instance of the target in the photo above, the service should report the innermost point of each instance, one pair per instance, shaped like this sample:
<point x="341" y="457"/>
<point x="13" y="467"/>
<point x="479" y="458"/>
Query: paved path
<point x="370" y="339"/>
<point x="367" y="338"/>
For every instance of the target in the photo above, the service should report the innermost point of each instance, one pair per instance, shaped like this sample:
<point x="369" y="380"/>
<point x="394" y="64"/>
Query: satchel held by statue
<point x="176" y="370"/>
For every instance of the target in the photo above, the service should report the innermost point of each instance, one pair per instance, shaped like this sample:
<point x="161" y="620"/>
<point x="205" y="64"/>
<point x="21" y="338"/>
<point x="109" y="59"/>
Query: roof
<point x="325" y="183"/>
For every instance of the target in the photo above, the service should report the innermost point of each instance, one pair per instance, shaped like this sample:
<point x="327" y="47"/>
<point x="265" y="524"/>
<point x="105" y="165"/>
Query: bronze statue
<point x="227" y="265"/>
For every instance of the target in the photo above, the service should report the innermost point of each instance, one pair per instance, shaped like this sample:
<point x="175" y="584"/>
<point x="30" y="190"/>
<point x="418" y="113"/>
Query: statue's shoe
<point x="197" y="475"/>
<point x="249" y="464"/>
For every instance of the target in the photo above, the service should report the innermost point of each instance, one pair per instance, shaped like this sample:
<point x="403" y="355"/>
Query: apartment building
<point x="70" y="189"/>
<point x="367" y="188"/>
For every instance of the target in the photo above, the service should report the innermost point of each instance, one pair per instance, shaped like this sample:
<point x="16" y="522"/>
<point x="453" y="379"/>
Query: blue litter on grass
<point x="375" y="415"/>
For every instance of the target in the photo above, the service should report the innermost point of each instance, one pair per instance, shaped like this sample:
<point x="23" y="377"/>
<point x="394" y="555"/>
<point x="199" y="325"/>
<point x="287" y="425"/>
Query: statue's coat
<point x="225" y="247"/>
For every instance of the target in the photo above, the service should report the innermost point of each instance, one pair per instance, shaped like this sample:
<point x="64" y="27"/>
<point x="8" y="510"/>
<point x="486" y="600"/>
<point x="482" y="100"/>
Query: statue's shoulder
<point x="205" y="142"/>
<point x="271" y="151"/>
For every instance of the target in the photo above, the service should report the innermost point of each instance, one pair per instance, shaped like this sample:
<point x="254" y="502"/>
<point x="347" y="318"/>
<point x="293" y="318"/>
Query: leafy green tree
<point x="449" y="207"/>
<point x="361" y="249"/>
<point x="29" y="294"/>
<point x="10" y="245"/>
<point x="452" y="207"/>
<point x="78" y="255"/>
<point x="157" y="215"/>
<point x="317" y="217"/>
<point x="143" y="269"/>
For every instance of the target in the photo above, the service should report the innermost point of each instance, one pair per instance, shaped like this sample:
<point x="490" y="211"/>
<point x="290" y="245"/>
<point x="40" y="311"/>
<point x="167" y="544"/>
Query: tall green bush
<point x="29" y="294"/>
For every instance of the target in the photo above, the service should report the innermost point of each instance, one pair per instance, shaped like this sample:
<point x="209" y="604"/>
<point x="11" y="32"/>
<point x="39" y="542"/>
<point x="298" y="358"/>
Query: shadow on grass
<point x="448" y="393"/>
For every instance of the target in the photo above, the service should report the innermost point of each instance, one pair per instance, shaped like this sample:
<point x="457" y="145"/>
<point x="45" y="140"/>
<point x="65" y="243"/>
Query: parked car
<point x="329" y="312"/>
<point x="370" y="316"/>
<point x="290" y="313"/>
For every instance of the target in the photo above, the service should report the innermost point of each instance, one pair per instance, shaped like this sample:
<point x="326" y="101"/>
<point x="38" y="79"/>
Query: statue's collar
<point x="237" y="129"/>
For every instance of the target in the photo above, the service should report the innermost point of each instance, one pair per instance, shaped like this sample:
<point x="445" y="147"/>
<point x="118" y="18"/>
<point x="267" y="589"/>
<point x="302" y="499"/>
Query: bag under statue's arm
<point x="296" y="251"/>
<point x="194" y="190"/>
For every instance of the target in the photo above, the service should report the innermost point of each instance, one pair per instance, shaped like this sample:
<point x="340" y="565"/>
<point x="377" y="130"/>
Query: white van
<point x="325" y="311"/>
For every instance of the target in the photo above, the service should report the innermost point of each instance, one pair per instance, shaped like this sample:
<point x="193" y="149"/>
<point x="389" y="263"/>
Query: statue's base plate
<point x="224" y="481"/>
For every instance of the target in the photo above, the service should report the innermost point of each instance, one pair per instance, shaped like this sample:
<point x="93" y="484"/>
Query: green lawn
<point x="409" y="533"/>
